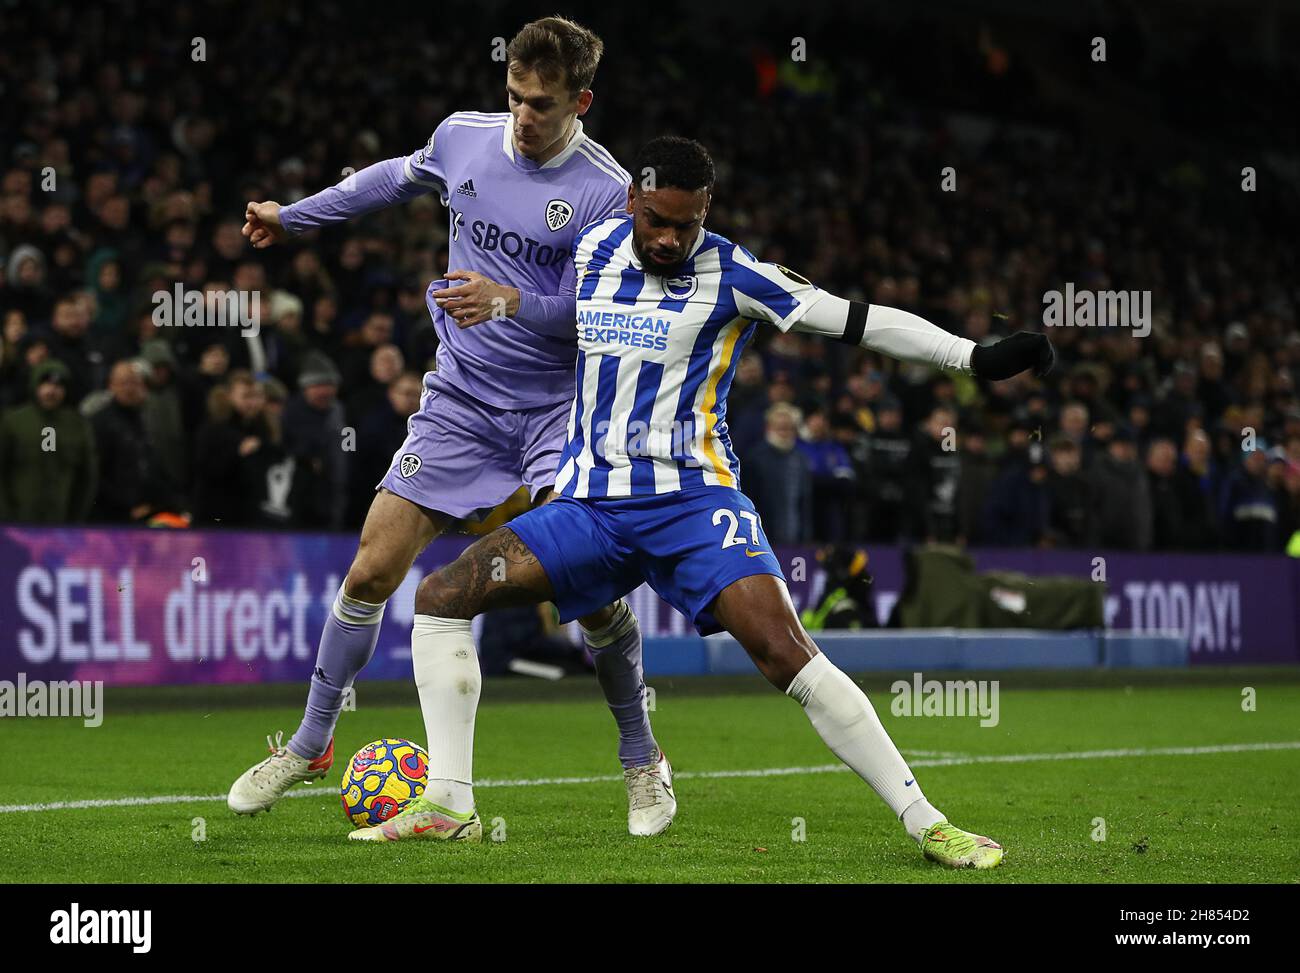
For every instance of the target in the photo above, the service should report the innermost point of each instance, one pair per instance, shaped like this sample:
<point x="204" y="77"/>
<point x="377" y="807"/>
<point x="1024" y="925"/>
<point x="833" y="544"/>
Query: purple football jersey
<point x="513" y="221"/>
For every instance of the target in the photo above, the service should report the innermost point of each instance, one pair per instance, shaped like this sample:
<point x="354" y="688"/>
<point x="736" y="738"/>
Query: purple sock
<point x="346" y="645"/>
<point x="616" y="650"/>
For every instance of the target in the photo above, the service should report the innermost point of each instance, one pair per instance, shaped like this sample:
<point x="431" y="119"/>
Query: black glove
<point x="1012" y="355"/>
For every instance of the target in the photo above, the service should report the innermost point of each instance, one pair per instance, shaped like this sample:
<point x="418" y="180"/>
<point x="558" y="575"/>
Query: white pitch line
<point x="957" y="760"/>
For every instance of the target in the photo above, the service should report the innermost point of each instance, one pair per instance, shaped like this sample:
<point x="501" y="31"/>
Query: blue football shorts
<point x="687" y="545"/>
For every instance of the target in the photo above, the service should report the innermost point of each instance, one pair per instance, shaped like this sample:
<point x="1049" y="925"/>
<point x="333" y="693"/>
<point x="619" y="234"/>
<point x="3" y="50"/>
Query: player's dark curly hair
<point x="673" y="161"/>
<point x="556" y="47"/>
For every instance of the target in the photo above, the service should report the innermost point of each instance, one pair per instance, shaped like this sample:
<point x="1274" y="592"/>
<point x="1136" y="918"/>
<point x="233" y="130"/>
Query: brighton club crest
<point x="681" y="288"/>
<point x="558" y="214"/>
<point x="409" y="465"/>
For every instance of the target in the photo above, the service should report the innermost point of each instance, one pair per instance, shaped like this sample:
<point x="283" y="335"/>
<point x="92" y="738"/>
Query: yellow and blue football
<point x="381" y="779"/>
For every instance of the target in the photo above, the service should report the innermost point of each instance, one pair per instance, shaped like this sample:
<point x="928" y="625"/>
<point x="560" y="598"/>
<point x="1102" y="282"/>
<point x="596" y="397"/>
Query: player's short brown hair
<point x="557" y="49"/>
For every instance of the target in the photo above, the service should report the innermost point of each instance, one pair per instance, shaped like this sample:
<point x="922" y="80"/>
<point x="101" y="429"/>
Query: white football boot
<point x="650" y="801"/>
<point x="261" y="786"/>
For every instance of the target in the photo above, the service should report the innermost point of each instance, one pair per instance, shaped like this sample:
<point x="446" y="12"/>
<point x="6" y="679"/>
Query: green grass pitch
<point x="1227" y="816"/>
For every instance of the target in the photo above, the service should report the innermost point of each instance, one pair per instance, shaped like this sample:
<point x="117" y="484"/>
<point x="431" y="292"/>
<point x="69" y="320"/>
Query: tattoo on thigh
<point x="496" y="572"/>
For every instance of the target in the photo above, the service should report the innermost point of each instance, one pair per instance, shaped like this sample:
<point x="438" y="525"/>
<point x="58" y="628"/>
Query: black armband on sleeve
<point x="856" y="326"/>
<point x="1011" y="356"/>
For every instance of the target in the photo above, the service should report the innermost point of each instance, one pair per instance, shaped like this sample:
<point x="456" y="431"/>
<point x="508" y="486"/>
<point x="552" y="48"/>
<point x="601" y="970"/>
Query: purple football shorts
<point x="463" y="457"/>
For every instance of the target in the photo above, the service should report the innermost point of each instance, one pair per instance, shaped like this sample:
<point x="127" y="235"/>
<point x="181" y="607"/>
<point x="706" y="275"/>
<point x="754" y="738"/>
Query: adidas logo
<point x="467" y="188"/>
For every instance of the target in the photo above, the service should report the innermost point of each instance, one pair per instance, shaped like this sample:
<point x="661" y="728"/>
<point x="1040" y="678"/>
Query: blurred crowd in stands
<point x="125" y="165"/>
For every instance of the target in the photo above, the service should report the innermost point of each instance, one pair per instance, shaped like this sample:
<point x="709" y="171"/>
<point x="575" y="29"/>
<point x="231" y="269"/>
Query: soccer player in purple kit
<point x="493" y="415"/>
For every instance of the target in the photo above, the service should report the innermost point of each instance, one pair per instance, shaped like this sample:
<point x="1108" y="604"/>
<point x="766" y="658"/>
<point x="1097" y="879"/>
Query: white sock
<point x="843" y="716"/>
<point x="449" y="682"/>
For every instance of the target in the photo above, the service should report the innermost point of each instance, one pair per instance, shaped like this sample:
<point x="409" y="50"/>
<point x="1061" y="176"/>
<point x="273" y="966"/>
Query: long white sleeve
<point x="892" y="331"/>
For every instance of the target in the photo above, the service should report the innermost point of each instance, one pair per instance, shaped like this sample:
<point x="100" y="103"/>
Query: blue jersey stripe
<point x="604" y="251"/>
<point x="629" y="286"/>
<point x="647" y="389"/>
<point x="772" y="296"/>
<point x="606" y="386"/>
<point x="697" y="370"/>
<point x="573" y="448"/>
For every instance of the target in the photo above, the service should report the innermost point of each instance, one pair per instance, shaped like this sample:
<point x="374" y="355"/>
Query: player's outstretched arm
<point x="374" y="187"/>
<point x="906" y="336"/>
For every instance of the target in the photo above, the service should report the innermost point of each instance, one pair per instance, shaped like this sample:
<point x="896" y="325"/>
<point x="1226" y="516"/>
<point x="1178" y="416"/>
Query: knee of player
<point x="434" y="597"/>
<point x="780" y="658"/>
<point x="370" y="580"/>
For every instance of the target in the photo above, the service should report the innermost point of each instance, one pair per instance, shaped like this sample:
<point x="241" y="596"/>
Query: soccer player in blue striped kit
<point x="518" y="186"/>
<point x="649" y="485"/>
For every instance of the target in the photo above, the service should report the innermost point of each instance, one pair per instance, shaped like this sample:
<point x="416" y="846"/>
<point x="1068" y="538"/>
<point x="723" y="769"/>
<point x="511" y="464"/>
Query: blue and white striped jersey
<point x="656" y="357"/>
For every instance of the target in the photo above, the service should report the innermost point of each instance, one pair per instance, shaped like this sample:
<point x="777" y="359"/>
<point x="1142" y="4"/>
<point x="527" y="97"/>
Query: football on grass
<point x="381" y="779"/>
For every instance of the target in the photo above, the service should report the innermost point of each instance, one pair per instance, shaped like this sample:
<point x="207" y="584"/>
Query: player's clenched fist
<point x="477" y="300"/>
<point x="262" y="224"/>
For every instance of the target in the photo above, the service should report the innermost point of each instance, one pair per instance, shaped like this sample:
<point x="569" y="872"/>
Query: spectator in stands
<point x="978" y="472"/>
<point x="934" y="478"/>
<point x="277" y="397"/>
<point x="26" y="288"/>
<point x="1121" y="496"/>
<point x="1170" y="530"/>
<point x="886" y="462"/>
<point x="1070" y="513"/>
<point x="386" y="364"/>
<point x="313" y="436"/>
<point x="72" y="344"/>
<point x="1199" y="483"/>
<point x="747" y="404"/>
<point x="226" y="249"/>
<point x="104" y="278"/>
<point x="1018" y="507"/>
<point x="213" y="366"/>
<point x="132" y="482"/>
<point x="240" y="479"/>
<point x="778" y="479"/>
<point x="283" y="340"/>
<point x="354" y="361"/>
<point x="834" y="481"/>
<point x="1212" y="391"/>
<point x="308" y="280"/>
<point x="164" y="417"/>
<point x="853" y="440"/>
<point x="1074" y="425"/>
<point x="47" y="454"/>
<point x="21" y="350"/>
<point x="1249" y="508"/>
<point x="1176" y="403"/>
